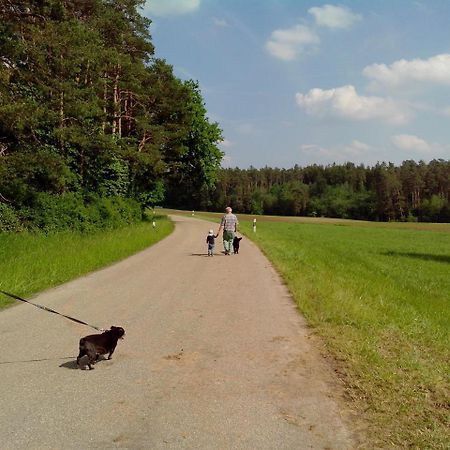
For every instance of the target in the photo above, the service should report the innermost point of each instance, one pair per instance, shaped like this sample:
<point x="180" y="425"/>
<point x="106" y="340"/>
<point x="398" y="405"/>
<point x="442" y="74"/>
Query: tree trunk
<point x="86" y="77"/>
<point x="143" y="141"/>
<point x="117" y="120"/>
<point x="105" y="99"/>
<point x="61" y="117"/>
<point x="125" y="111"/>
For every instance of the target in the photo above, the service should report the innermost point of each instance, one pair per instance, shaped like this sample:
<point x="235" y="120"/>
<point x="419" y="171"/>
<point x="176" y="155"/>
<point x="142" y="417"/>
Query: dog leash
<point x="50" y="310"/>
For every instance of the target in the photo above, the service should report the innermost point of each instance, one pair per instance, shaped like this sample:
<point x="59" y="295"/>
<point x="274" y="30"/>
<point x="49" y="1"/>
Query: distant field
<point x="379" y="295"/>
<point x="444" y="227"/>
<point x="32" y="262"/>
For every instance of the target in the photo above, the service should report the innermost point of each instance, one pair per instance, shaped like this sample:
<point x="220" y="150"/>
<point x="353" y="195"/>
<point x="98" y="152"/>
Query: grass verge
<point x="32" y="262"/>
<point x="381" y="299"/>
<point x="379" y="295"/>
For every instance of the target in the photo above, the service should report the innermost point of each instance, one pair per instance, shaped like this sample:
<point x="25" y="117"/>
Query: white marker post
<point x="254" y="225"/>
<point x="154" y="224"/>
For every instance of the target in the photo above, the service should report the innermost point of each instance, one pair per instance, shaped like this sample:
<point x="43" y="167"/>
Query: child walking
<point x="210" y="240"/>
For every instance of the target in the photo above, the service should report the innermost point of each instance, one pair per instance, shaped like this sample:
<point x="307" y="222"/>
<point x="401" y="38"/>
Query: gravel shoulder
<point x="216" y="356"/>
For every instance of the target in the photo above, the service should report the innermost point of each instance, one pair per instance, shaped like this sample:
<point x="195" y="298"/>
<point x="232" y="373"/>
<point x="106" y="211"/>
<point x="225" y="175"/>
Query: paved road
<point x="215" y="357"/>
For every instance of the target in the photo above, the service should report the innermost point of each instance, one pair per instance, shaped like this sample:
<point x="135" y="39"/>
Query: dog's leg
<point x="111" y="352"/>
<point x="82" y="353"/>
<point x="92" y="355"/>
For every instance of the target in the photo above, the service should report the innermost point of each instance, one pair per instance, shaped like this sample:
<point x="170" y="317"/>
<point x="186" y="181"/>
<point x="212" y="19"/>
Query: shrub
<point x="9" y="219"/>
<point x="51" y="213"/>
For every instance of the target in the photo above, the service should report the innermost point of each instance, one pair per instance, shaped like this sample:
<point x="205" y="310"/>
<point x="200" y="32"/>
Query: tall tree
<point x="80" y="91"/>
<point x="196" y="174"/>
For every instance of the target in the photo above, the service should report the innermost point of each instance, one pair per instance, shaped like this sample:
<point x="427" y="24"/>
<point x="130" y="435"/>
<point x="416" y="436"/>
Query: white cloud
<point x="331" y="16"/>
<point x="412" y="143"/>
<point x="358" y="147"/>
<point x="289" y="43"/>
<point x="222" y="23"/>
<point x="163" y="8"/>
<point x="345" y="102"/>
<point x="434" y="70"/>
<point x="355" y="151"/>
<point x="422" y="148"/>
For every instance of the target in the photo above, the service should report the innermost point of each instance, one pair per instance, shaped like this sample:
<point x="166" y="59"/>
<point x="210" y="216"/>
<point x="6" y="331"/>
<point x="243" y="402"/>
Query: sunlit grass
<point x="32" y="262"/>
<point x="380" y="298"/>
<point x="426" y="226"/>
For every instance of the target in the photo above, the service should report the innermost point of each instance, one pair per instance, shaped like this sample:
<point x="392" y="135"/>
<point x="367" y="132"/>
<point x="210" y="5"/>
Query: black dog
<point x="95" y="345"/>
<point x="236" y="242"/>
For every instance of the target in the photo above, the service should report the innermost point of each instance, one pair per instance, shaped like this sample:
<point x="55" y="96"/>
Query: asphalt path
<point x="216" y="356"/>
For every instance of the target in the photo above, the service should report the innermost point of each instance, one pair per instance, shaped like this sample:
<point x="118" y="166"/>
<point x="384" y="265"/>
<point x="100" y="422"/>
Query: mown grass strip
<point x="32" y="262"/>
<point x="380" y="298"/>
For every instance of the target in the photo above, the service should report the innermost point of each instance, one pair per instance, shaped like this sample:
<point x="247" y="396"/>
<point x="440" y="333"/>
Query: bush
<point x="24" y="174"/>
<point x="117" y="211"/>
<point x="434" y="209"/>
<point x="51" y="213"/>
<point x="9" y="219"/>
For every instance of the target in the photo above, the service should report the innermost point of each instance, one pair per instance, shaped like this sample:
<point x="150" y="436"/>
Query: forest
<point x="413" y="191"/>
<point x="93" y="127"/>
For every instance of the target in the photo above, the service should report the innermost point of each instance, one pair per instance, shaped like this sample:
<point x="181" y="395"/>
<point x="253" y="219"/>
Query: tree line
<point x="87" y="112"/>
<point x="410" y="191"/>
<point x="94" y="128"/>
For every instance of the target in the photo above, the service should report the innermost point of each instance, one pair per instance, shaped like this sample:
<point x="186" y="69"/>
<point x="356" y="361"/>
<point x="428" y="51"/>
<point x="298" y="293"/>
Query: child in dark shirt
<point x="210" y="240"/>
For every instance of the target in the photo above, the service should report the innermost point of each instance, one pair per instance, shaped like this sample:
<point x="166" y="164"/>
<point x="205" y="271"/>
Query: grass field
<point x="379" y="295"/>
<point x="32" y="262"/>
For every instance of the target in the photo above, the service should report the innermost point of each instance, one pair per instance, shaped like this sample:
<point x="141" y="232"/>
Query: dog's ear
<point x="240" y="238"/>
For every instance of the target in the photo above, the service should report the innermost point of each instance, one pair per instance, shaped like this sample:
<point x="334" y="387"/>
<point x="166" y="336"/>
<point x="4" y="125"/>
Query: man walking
<point x="229" y="225"/>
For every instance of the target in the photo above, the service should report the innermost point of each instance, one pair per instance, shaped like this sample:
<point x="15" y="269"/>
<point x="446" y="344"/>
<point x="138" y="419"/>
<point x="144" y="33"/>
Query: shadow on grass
<point x="423" y="256"/>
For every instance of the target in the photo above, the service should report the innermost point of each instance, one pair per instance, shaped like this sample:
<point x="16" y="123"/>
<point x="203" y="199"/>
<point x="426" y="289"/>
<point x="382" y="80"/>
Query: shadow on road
<point x="70" y="364"/>
<point x="36" y="360"/>
<point x="206" y="255"/>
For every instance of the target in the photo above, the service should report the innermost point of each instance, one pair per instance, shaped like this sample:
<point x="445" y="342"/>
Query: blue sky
<point x="304" y="82"/>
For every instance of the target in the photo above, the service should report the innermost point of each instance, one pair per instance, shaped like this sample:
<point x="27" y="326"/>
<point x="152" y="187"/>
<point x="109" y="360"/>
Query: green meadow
<point x="379" y="296"/>
<point x="32" y="262"/>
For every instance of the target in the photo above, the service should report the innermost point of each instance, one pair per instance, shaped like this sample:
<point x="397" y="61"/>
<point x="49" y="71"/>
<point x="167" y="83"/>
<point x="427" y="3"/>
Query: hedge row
<point x="51" y="213"/>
